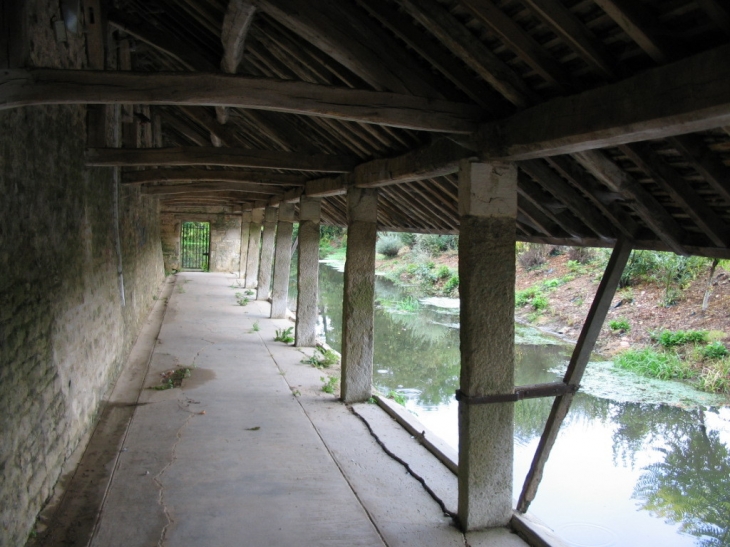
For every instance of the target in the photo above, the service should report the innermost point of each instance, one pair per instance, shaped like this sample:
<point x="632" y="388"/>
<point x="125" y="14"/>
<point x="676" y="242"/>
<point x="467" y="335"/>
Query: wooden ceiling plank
<point x="712" y="169"/>
<point x="640" y="200"/>
<point x="184" y="128"/>
<point x="687" y="96"/>
<point x="532" y="192"/>
<point x="209" y="121"/>
<point x="229" y="157"/>
<point x="532" y="216"/>
<point x="401" y="26"/>
<point x="49" y="86"/>
<point x="631" y="17"/>
<point x="462" y="43"/>
<point x="574" y="33"/>
<point x="680" y="191"/>
<point x="578" y="204"/>
<point x="219" y="175"/>
<point x="519" y="41"/>
<point x="213" y="187"/>
<point x="719" y="13"/>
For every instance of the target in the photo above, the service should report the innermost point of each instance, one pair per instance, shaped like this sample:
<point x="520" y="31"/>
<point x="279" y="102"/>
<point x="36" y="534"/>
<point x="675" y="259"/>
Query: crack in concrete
<point x="158" y="482"/>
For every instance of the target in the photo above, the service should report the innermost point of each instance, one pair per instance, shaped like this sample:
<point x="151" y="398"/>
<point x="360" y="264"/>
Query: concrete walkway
<point x="251" y="452"/>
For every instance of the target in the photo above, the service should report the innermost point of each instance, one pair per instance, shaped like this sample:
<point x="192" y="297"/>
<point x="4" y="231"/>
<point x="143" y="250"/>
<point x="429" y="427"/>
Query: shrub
<point x="581" y="255"/>
<point x="669" y="339"/>
<point x="534" y="256"/>
<point x="434" y="245"/>
<point x="715" y="350"/>
<point x="408" y="238"/>
<point x="639" y="267"/>
<point x="443" y="272"/>
<point x="452" y="284"/>
<point x="655" y="364"/>
<point x="716" y="379"/>
<point x="532" y="296"/>
<point x="621" y="325"/>
<point x="389" y="245"/>
<point x="675" y="272"/>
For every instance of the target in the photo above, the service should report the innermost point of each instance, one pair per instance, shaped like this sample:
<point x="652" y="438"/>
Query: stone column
<point x="359" y="303"/>
<point x="308" y="272"/>
<point x="267" y="253"/>
<point x="245" y="231"/>
<point x="282" y="261"/>
<point x="488" y="209"/>
<point x="254" y="241"/>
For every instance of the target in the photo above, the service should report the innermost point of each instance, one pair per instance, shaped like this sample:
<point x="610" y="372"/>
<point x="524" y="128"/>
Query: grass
<point x="322" y="358"/>
<point x="619" y="325"/>
<point x="255" y="327"/>
<point x="173" y="378"/>
<point x="664" y="365"/>
<point x="284" y="335"/>
<point x="533" y="297"/>
<point x="397" y="397"/>
<point x="329" y="384"/>
<point x="670" y="339"/>
<point x="242" y="299"/>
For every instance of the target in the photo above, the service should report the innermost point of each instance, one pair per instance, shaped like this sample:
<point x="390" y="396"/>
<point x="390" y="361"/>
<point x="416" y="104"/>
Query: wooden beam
<point x="532" y="192"/>
<point x="161" y="40"/>
<point x="326" y="187"/>
<point x="457" y="38"/>
<point x="229" y="195"/>
<point x="685" y="97"/>
<point x="718" y="12"/>
<point x="236" y="23"/>
<point x="208" y="120"/>
<point x="680" y="191"/>
<point x="519" y="41"/>
<point x="711" y="167"/>
<point x="184" y="128"/>
<point x="635" y="22"/>
<point x="364" y="49"/>
<point x="212" y="187"/>
<point x="48" y="86"/>
<point x="576" y="368"/>
<point x="203" y="175"/>
<point x="228" y="157"/>
<point x="640" y="200"/>
<point x="574" y="33"/>
<point x="578" y="204"/>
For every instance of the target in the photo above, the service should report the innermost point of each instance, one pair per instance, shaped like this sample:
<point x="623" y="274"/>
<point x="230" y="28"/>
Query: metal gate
<point x="195" y="246"/>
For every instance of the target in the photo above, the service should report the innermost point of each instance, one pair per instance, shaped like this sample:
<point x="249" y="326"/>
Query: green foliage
<point x="322" y="358"/>
<point x="452" y="284"/>
<point x="284" y="335"/>
<point x="173" y="378"/>
<point x="621" y="325"/>
<point x="669" y="339"/>
<point x="408" y="238"/>
<point x="715" y="378"/>
<point x="655" y="364"/>
<point x="255" y="327"/>
<point x="533" y="256"/>
<point x="329" y="384"/>
<point x="434" y="245"/>
<point x="397" y="397"/>
<point x="639" y="267"/>
<point x="714" y="350"/>
<point x="331" y="238"/>
<point x="533" y="297"/>
<point x="242" y="299"/>
<point x="540" y="302"/>
<point x="443" y="272"/>
<point x="389" y="244"/>
<point x="675" y="272"/>
<point x="408" y="304"/>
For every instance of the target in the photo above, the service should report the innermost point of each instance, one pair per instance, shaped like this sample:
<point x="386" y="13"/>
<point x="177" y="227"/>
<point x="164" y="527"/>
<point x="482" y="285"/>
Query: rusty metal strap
<point x="552" y="389"/>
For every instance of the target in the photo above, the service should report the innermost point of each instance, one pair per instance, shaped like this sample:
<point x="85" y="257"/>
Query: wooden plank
<point x="326" y="187"/>
<point x="362" y="48"/>
<point x="640" y="200"/>
<point x="719" y="13"/>
<point x="640" y="27"/>
<point x="519" y="41"/>
<point x="48" y="86"/>
<point x="574" y="33"/>
<point x="236" y="23"/>
<point x="574" y="201"/>
<point x="457" y="38"/>
<point x="203" y="175"/>
<point x="680" y="191"/>
<point x="213" y="187"/>
<point x="684" y="97"/>
<point x="707" y="164"/>
<point x="208" y="120"/>
<point x="228" y="157"/>
<point x="534" y="193"/>
<point x="184" y="128"/>
<point x="402" y="26"/>
<point x="576" y="368"/>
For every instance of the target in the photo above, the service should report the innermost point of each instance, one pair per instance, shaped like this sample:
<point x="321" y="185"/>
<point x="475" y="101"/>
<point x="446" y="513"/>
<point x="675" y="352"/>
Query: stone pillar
<point x="245" y="231"/>
<point x="254" y="240"/>
<point x="267" y="253"/>
<point x="488" y="209"/>
<point x="308" y="272"/>
<point x="359" y="296"/>
<point x="282" y="261"/>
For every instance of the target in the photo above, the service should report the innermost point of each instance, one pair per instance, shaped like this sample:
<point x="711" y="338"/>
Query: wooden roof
<point x="614" y="110"/>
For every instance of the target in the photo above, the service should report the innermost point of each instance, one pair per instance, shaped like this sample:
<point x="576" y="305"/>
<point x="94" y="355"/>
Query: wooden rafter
<point x="202" y="187"/>
<point x="532" y="192"/>
<point x="712" y="169"/>
<point x="236" y="23"/>
<point x="203" y="175"/>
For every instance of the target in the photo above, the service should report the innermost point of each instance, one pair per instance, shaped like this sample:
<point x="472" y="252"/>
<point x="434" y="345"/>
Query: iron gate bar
<point x="533" y="391"/>
<point x="195" y="245"/>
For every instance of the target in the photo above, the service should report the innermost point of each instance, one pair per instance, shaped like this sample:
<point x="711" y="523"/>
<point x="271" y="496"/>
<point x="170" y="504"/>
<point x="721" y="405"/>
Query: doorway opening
<point x="195" y="246"/>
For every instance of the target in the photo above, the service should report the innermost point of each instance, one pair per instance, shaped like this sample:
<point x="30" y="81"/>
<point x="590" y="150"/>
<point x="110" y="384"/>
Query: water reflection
<point x="623" y="472"/>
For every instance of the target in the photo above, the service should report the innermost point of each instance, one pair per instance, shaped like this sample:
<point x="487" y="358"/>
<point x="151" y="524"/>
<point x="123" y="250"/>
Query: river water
<point x="637" y="463"/>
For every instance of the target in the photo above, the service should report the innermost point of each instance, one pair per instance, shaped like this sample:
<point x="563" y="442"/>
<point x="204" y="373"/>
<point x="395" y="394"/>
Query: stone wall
<point x="225" y="238"/>
<point x="64" y="332"/>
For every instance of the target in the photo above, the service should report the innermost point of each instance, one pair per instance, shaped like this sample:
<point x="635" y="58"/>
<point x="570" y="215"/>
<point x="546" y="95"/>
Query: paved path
<point x="251" y="452"/>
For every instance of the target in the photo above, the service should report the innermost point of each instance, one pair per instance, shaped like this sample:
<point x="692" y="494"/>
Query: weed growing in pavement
<point x="284" y="335"/>
<point x="173" y="378"/>
<point x="397" y="397"/>
<point x="322" y="358"/>
<point x="329" y="384"/>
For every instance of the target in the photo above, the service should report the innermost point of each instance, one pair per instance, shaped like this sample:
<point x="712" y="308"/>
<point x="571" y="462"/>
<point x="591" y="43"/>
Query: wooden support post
<point x="308" y="272"/>
<point x="267" y="254"/>
<point x="245" y="231"/>
<point x="254" y="241"/>
<point x="358" y="310"/>
<point x="282" y="261"/>
<point x="488" y="209"/>
<point x="576" y="368"/>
